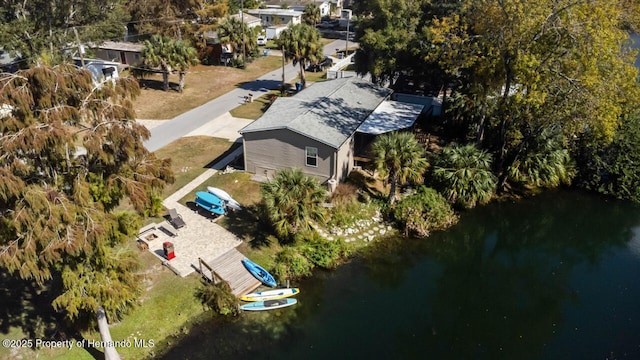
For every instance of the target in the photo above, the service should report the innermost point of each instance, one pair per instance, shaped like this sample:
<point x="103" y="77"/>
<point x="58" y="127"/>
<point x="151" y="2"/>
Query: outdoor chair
<point x="176" y="219"/>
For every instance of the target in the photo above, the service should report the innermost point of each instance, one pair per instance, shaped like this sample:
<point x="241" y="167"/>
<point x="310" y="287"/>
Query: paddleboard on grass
<point x="224" y="196"/>
<point x="270" y="294"/>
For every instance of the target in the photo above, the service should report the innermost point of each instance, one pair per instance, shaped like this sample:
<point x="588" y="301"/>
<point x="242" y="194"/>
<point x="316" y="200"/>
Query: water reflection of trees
<point x="506" y="272"/>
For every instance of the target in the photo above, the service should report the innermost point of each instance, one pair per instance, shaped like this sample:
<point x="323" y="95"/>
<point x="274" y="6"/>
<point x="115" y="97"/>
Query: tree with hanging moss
<point x="70" y="152"/>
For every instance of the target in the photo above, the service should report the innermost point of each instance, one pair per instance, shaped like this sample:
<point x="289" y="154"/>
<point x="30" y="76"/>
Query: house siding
<point x="269" y="151"/>
<point x="131" y="58"/>
<point x="344" y="163"/>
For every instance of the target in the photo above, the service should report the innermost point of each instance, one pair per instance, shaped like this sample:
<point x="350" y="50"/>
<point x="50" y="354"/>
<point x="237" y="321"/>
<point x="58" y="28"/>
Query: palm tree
<point x="292" y="200"/>
<point x="183" y="57"/>
<point x="400" y="157"/>
<point x="311" y="14"/>
<point x="157" y="54"/>
<point x="238" y="34"/>
<point x="544" y="161"/>
<point x="463" y="175"/>
<point x="301" y="44"/>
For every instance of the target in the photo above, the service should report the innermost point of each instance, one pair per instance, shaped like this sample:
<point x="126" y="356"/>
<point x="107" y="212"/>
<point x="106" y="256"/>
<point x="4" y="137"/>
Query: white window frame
<point x="307" y="156"/>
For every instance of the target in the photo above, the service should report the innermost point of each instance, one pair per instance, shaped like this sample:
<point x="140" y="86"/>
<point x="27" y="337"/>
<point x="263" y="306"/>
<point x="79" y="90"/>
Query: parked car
<point x="262" y="40"/>
<point x="321" y="65"/>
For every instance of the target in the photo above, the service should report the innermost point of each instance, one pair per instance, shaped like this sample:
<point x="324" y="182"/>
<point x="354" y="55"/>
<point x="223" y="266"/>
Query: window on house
<point x="312" y="156"/>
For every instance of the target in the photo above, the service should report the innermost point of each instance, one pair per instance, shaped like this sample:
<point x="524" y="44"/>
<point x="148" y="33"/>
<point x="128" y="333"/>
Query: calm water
<point x="555" y="277"/>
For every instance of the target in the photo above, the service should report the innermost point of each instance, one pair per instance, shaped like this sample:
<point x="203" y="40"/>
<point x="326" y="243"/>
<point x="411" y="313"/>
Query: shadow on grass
<point x="92" y="350"/>
<point x="27" y="306"/>
<point x="156" y="85"/>
<point x="202" y="212"/>
<point x="212" y="164"/>
<point x="246" y="225"/>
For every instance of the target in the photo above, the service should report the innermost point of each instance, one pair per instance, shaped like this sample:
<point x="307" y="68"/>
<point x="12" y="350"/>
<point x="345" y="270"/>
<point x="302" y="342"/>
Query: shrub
<point x="291" y="264"/>
<point x="463" y="175"/>
<point x="219" y="298"/>
<point x="128" y="222"/>
<point x="324" y="253"/>
<point x="423" y="212"/>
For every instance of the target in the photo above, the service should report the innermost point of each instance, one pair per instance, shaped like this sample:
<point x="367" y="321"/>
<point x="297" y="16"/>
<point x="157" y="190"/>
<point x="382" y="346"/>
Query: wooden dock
<point x="228" y="267"/>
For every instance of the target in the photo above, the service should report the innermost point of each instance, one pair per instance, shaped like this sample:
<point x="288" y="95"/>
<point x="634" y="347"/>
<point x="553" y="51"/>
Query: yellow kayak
<point x="270" y="294"/>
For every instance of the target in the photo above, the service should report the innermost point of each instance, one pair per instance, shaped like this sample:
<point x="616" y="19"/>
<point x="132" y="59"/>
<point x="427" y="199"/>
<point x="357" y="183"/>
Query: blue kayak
<point x="259" y="273"/>
<point x="268" y="304"/>
<point x="209" y="202"/>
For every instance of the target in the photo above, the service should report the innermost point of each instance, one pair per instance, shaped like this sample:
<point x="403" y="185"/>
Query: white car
<point x="262" y="40"/>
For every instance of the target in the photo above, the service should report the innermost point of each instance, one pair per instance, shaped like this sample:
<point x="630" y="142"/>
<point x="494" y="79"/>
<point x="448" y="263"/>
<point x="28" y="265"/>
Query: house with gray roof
<point x="315" y="129"/>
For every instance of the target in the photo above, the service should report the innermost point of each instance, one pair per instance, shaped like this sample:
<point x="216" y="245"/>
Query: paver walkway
<point x="200" y="237"/>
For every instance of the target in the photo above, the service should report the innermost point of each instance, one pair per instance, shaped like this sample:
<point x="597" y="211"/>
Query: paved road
<point x="193" y="119"/>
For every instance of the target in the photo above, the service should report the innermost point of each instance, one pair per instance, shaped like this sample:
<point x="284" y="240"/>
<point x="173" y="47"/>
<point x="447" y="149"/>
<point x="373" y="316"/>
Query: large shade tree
<point x="70" y="151"/>
<point x="37" y="29"/>
<point x="301" y="44"/>
<point x="292" y="201"/>
<point x="559" y="64"/>
<point x="399" y="157"/>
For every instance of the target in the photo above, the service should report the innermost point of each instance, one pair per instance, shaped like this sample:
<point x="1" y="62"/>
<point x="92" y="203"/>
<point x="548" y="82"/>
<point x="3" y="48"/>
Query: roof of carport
<point x="390" y="116"/>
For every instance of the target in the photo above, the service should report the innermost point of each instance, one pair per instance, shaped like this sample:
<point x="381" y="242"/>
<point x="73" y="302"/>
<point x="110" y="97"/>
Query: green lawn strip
<point x="191" y="156"/>
<point x="254" y="109"/>
<point x="237" y="184"/>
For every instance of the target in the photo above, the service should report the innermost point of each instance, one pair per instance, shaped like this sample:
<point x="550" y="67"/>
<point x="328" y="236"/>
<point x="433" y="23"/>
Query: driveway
<point x="194" y="119"/>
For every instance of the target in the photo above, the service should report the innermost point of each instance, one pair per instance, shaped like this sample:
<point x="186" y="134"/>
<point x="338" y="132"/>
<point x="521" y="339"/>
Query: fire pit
<point x="151" y="237"/>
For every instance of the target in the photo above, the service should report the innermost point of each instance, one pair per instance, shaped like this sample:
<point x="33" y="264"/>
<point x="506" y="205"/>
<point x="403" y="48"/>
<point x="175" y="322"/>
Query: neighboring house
<point x="298" y="5"/>
<point x="217" y="52"/>
<point x="325" y="7"/>
<point x="101" y="70"/>
<point x="273" y="32"/>
<point x="8" y="63"/>
<point x="315" y="130"/>
<point x="125" y="53"/>
<point x="270" y="17"/>
<point x="248" y="19"/>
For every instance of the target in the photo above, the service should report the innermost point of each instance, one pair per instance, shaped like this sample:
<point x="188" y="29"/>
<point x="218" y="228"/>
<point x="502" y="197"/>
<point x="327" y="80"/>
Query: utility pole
<point x="79" y="47"/>
<point x="244" y="55"/>
<point x="283" y="68"/>
<point x="346" y="46"/>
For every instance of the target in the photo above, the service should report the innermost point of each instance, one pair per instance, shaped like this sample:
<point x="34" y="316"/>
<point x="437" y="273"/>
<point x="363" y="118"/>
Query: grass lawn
<point x="254" y="109"/>
<point x="237" y="184"/>
<point x="202" y="84"/>
<point x="191" y="156"/>
<point x="257" y="244"/>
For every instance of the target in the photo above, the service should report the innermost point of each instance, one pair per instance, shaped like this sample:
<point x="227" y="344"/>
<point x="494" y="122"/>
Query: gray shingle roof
<point x="328" y="111"/>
